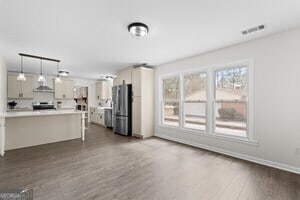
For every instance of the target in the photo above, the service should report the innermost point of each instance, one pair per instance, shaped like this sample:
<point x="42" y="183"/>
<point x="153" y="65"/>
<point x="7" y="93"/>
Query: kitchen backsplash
<point x="102" y="103"/>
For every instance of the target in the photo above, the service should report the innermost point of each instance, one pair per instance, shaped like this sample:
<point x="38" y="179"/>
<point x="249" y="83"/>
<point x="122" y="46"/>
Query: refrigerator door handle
<point x="121" y="117"/>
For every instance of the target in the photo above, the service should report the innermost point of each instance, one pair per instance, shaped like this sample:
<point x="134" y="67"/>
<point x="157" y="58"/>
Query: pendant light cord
<point x="21" y="64"/>
<point x="41" y="67"/>
<point x="57" y="69"/>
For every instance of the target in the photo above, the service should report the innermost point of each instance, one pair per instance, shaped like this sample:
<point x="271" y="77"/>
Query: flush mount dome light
<point x="138" y="29"/>
<point x="63" y="73"/>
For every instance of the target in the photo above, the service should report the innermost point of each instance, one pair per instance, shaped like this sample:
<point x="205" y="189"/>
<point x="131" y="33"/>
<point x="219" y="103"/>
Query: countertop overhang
<point x="39" y="113"/>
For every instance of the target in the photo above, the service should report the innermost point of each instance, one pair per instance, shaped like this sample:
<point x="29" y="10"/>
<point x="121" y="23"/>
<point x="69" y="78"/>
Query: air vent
<point x="254" y="29"/>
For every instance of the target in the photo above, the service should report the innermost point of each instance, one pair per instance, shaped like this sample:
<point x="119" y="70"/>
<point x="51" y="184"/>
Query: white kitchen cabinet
<point x="116" y="81"/>
<point x="64" y="90"/>
<point x="101" y="119"/>
<point x="136" y="82"/>
<point x="84" y="92"/>
<point x="124" y="76"/>
<point x="59" y="90"/>
<point x="93" y="114"/>
<point x="19" y="89"/>
<point x="96" y="116"/>
<point x="103" y="89"/>
<point x="69" y="89"/>
<point x="136" y="115"/>
<point x="143" y="102"/>
<point x="80" y="92"/>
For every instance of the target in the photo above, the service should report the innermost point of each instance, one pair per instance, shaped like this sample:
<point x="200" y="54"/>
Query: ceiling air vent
<point x="254" y="29"/>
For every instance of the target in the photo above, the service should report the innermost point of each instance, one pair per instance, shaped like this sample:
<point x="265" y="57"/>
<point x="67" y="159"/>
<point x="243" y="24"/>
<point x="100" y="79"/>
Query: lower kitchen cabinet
<point x="96" y="117"/>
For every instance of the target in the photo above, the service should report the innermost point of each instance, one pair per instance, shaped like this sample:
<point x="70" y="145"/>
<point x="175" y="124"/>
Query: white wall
<point x="276" y="100"/>
<point x="3" y="87"/>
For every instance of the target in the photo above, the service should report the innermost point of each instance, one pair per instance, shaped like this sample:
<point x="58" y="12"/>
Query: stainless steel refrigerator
<point x="121" y="97"/>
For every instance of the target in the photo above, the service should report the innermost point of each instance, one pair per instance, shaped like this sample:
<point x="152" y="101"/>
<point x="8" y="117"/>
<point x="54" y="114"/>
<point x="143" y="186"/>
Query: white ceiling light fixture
<point x="63" y="73"/>
<point x="41" y="77"/>
<point x="138" y="29"/>
<point x="58" y="79"/>
<point x="21" y="76"/>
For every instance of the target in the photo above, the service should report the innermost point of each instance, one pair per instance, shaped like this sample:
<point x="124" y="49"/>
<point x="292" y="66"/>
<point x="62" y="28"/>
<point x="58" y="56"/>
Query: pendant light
<point x="21" y="76"/>
<point x="41" y="77"/>
<point x="58" y="79"/>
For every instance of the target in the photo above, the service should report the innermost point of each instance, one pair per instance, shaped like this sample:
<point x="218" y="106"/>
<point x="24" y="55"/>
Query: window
<point x="195" y="101"/>
<point x="231" y="101"/>
<point x="171" y="99"/>
<point x="214" y="102"/>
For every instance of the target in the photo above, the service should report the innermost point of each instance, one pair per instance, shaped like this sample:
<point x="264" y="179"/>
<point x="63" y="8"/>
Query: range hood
<point x="43" y="87"/>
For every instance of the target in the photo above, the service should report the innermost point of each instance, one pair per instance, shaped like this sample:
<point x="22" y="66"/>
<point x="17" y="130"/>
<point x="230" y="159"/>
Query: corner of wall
<point x="3" y="87"/>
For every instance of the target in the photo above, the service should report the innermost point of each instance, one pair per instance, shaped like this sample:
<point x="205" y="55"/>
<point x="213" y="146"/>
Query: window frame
<point x="210" y="101"/>
<point x="249" y="64"/>
<point x="206" y="102"/>
<point x="161" y="101"/>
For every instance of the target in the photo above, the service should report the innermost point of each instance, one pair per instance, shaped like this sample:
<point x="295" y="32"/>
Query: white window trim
<point x="210" y="71"/>
<point x="249" y="64"/>
<point x="161" y="100"/>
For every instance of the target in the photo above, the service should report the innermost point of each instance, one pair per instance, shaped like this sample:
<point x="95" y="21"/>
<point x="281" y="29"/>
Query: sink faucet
<point x="108" y="99"/>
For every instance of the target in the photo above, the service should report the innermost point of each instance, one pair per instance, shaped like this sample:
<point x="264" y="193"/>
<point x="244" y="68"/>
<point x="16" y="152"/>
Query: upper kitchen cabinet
<point x="103" y="89"/>
<point x="136" y="82"/>
<point x="116" y="81"/>
<point x="64" y="90"/>
<point x="19" y="89"/>
<point x="124" y="76"/>
<point x="80" y="92"/>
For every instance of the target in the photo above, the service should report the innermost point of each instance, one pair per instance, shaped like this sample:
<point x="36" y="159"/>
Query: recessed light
<point x="138" y="29"/>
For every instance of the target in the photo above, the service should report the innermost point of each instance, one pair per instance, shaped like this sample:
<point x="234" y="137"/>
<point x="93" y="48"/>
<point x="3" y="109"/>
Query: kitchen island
<point x="30" y="128"/>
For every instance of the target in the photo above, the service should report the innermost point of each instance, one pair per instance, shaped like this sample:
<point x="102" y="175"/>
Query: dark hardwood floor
<point x="109" y="166"/>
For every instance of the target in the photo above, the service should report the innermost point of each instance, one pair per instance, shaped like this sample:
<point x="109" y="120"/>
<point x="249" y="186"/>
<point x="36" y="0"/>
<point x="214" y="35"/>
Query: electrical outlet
<point x="298" y="151"/>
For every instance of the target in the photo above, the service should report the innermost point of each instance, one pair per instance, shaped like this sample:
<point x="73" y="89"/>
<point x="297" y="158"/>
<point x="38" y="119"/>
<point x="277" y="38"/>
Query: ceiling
<point x="91" y="38"/>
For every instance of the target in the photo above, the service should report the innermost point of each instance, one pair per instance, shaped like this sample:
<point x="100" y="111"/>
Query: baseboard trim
<point x="234" y="154"/>
<point x="137" y="135"/>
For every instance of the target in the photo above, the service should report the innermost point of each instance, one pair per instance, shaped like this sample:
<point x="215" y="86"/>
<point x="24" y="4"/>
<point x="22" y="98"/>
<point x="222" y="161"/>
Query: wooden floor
<point x="109" y="166"/>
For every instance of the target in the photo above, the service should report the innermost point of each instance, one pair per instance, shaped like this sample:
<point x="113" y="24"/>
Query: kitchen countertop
<point x="19" y="109"/>
<point x="104" y="107"/>
<point x="39" y="113"/>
